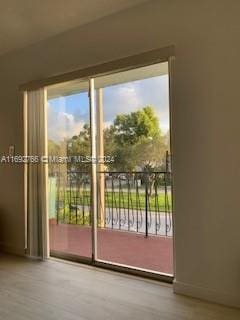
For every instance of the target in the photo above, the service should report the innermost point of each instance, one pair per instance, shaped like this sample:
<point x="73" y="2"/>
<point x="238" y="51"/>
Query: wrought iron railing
<point x="140" y="202"/>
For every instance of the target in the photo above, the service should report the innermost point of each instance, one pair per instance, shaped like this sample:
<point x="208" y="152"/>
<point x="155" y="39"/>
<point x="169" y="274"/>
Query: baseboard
<point x="206" y="294"/>
<point x="8" y="248"/>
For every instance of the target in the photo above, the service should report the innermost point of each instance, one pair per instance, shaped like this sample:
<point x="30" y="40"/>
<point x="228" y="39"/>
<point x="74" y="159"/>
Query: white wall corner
<point x="206" y="294"/>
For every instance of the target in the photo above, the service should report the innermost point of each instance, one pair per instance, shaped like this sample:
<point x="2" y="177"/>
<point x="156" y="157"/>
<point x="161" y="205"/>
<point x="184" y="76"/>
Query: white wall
<point x="206" y="126"/>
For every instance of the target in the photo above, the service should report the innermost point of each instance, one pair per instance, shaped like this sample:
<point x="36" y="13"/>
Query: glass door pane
<point x="134" y="182"/>
<point x="69" y="149"/>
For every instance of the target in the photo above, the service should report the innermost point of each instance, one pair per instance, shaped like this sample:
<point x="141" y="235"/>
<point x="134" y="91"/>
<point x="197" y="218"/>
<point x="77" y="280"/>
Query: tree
<point x="53" y="151"/>
<point x="80" y="145"/>
<point x="129" y="129"/>
<point x="135" y="140"/>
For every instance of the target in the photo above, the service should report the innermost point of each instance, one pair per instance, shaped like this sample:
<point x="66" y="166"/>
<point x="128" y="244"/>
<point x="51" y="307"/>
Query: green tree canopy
<point x="134" y="140"/>
<point x="129" y="129"/>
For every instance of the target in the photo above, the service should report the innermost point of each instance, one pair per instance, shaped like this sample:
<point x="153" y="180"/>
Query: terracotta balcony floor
<point x="153" y="253"/>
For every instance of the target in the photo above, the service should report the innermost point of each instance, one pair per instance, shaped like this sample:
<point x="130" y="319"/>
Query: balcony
<point x="134" y="218"/>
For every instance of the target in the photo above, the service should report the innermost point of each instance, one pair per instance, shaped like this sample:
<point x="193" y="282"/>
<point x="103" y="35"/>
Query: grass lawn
<point x="117" y="199"/>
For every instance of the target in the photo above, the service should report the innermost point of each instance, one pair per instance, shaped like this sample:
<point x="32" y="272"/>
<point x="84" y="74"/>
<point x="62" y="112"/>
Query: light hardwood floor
<point x="53" y="290"/>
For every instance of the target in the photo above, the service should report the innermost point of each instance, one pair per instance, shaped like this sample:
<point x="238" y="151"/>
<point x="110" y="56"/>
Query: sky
<point x="67" y="115"/>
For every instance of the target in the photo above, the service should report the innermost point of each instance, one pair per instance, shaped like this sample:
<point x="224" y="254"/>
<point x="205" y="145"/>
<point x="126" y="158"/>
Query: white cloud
<point x="120" y="99"/>
<point x="129" y="97"/>
<point x="62" y="125"/>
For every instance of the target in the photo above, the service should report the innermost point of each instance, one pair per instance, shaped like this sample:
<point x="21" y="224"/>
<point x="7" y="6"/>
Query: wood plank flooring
<point x="53" y="290"/>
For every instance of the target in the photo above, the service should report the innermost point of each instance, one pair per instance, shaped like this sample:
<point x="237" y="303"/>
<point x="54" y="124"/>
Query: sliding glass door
<point x="134" y="181"/>
<point x="110" y="202"/>
<point x="69" y="179"/>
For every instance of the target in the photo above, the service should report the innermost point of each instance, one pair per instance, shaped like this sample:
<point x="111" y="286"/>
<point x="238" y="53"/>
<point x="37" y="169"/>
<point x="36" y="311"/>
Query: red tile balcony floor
<point x="128" y="248"/>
